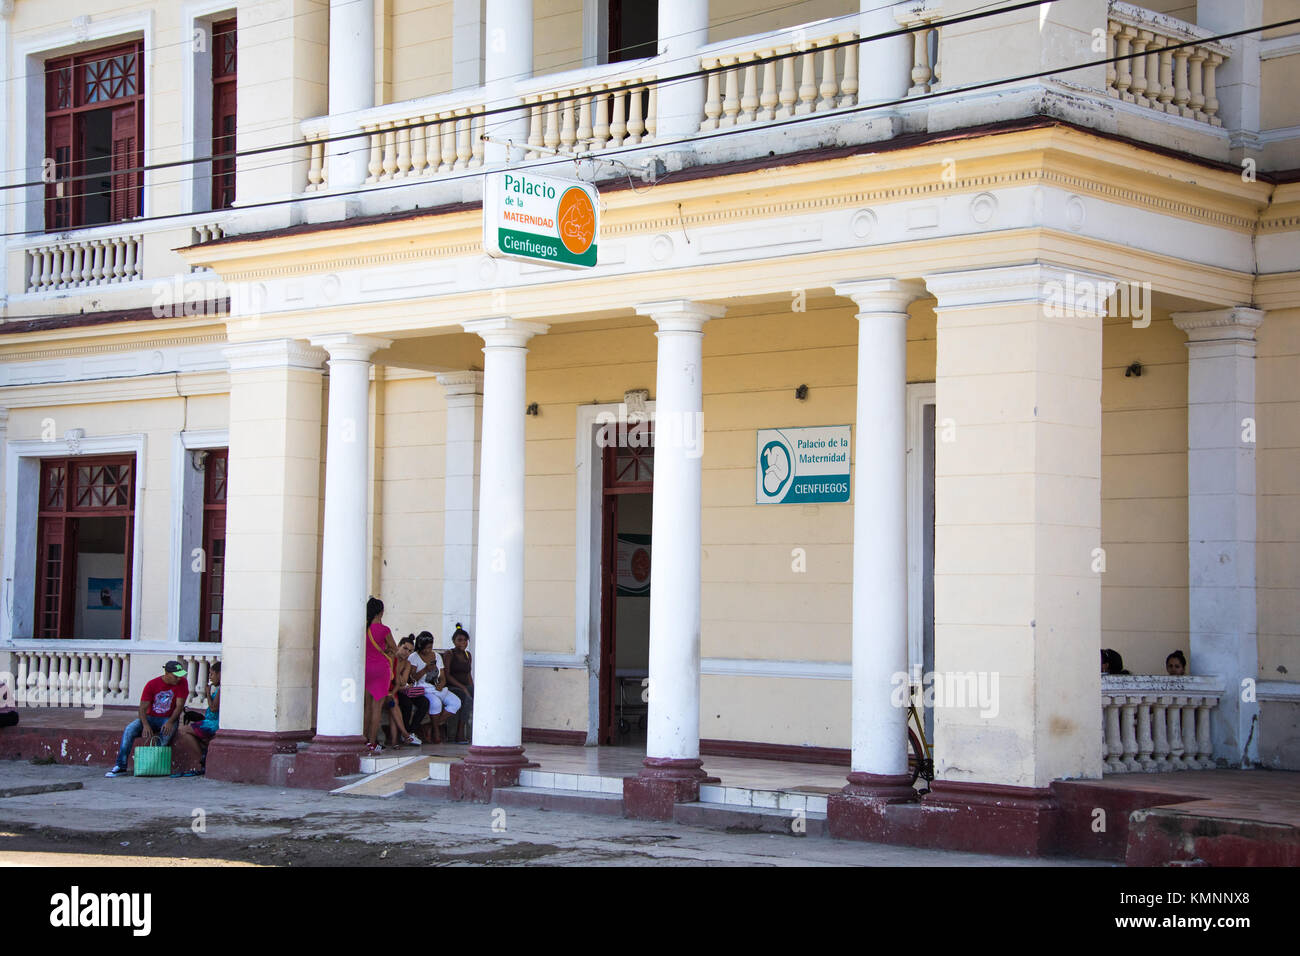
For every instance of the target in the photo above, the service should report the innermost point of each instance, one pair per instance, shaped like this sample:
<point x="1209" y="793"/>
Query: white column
<point x="674" y="719"/>
<point x="352" y="87"/>
<point x="884" y="66"/>
<point x="1221" y="515"/>
<point x="880" y="526"/>
<point x="499" y="643"/>
<point x="683" y="29"/>
<point x="344" y="547"/>
<point x="467" y="51"/>
<point x="464" y="392"/>
<point x="508" y="58"/>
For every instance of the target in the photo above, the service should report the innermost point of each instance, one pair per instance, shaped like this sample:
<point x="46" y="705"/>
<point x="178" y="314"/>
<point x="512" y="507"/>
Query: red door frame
<point x="215" y="475"/>
<point x="618" y="480"/>
<point x="61" y="505"/>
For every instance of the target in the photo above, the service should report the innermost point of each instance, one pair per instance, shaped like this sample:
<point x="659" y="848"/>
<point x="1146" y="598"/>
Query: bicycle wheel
<point x="915" y="756"/>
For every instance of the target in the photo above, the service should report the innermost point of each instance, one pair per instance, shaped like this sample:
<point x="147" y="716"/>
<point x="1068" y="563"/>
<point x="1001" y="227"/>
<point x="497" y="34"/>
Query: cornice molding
<point x="503" y="332"/>
<point x="346" y="347"/>
<point x="130" y="345"/>
<point x="745" y="212"/>
<point x="274" y="354"/>
<point x="878" y="296"/>
<point x="461" y="383"/>
<point x="1073" y="291"/>
<point x="1219" y="325"/>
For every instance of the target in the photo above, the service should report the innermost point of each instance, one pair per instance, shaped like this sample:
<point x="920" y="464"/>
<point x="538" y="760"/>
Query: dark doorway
<point x="633" y="29"/>
<point x="628" y="471"/>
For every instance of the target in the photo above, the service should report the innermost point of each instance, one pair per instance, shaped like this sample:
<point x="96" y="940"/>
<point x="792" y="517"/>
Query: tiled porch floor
<point x="1265" y="796"/>
<point x="626" y="761"/>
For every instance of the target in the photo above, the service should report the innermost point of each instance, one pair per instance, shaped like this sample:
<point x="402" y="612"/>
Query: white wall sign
<point x="803" y="465"/>
<point x="540" y="219"/>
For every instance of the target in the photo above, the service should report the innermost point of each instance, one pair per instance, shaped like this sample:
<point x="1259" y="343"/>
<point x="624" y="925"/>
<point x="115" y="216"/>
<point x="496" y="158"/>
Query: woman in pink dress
<point x="380" y="653"/>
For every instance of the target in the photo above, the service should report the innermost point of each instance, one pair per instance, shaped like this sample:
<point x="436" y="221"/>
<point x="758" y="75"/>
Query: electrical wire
<point x="514" y="107"/>
<point x="730" y="131"/>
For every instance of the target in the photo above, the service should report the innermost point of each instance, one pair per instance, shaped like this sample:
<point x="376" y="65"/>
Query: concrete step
<point x="569" y="801"/>
<point x="740" y="819"/>
<point x="787" y="800"/>
<point x="583" y="783"/>
<point x="427" y="789"/>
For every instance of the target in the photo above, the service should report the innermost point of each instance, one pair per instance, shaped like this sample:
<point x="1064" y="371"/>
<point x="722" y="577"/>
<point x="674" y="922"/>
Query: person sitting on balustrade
<point x="161" y="706"/>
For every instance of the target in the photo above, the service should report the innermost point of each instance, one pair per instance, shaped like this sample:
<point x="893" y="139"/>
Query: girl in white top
<point x="427" y="673"/>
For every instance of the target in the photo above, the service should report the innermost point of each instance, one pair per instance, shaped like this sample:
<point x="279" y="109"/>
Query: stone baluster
<point x="417" y="141"/>
<point x="830" y="82"/>
<point x="920" y="61"/>
<point x="1128" y="728"/>
<point x="315" y="159"/>
<point x="132" y="256"/>
<point x="403" y="148"/>
<point x="390" y="151"/>
<point x="448" y="136"/>
<point x="1195" y="73"/>
<point x="849" y="85"/>
<point x="1177" y="751"/>
<point x="1124" y="68"/>
<point x="600" y="128"/>
<point x="749" y="102"/>
<point x="568" y="125"/>
<point x="1189" y="733"/>
<point x="1114" y="740"/>
<point x="1204" y="742"/>
<point x="78" y="262"/>
<point x="635" y="118"/>
<point x="463" y="151"/>
<point x="808" y="87"/>
<point x="618" y="125"/>
<point x="1182" y="92"/>
<point x="1166" y="78"/>
<point x="47" y="261"/>
<point x="712" y="96"/>
<point x="1139" y="62"/>
<point x="583" y="133"/>
<point x="789" y="92"/>
<point x="376" y="164"/>
<point x="768" y="99"/>
<point x="1144" y="742"/>
<point x="1160" y="728"/>
<point x="476" y="140"/>
<point x="1211" y="99"/>
<point x="552" y="137"/>
<point x="65" y="266"/>
<point x="119" y="259"/>
<point x="730" y="102"/>
<point x="1154" y="86"/>
<point x="652" y="112"/>
<point x="1112" y="73"/>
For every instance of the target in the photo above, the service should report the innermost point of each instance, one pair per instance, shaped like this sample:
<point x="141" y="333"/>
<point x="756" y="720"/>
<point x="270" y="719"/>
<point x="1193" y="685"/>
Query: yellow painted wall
<point x="1144" y="493"/>
<point x="1277" y="477"/>
<point x="421" y="48"/>
<point x="737" y="18"/>
<point x="557" y="35"/>
<point x="409" y="530"/>
<point x="1278" y="105"/>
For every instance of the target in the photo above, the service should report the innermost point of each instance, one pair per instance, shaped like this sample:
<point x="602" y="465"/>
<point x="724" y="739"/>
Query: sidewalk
<point x="156" y="817"/>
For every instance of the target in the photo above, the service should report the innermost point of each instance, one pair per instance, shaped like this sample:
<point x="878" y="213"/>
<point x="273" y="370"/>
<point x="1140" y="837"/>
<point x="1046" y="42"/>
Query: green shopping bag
<point x="153" y="761"/>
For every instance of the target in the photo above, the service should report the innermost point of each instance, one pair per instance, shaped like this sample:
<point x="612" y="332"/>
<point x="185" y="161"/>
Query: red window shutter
<point x="126" y="162"/>
<point x="223" y="142"/>
<point x="58" y="194"/>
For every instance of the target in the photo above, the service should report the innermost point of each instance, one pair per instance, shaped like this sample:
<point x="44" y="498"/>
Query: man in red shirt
<point x="161" y="706"/>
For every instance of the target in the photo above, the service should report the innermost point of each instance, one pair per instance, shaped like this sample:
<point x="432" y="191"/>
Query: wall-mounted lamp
<point x="1133" y="371"/>
<point x="199" y="458"/>
<point x="801" y="392"/>
<point x="532" y="409"/>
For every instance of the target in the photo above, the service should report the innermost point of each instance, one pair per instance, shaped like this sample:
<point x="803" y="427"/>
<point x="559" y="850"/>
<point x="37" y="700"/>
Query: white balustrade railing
<point x="71" y="678"/>
<point x="580" y="112"/>
<point x="919" y="15"/>
<point x="82" y="263"/>
<point x="1178" y="82"/>
<point x="1155" y="724"/>
<point x="94" y="673"/>
<point x="755" y="81"/>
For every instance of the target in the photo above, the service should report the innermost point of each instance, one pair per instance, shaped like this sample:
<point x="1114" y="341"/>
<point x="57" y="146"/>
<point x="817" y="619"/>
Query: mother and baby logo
<point x="75" y="910"/>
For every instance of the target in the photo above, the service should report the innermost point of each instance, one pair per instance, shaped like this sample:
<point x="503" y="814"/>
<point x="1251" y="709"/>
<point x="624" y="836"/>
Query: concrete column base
<point x="244" y="756"/>
<point x="881" y="787"/>
<point x="328" y="758"/>
<point x="484" y="769"/>
<point x="662" y="783"/>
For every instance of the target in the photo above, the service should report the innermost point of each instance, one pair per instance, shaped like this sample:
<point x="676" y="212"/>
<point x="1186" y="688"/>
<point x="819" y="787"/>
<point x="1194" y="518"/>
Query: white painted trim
<point x="807" y="670"/>
<point x="103" y="445"/>
<point x="1277" y="690"/>
<point x="1275" y="47"/>
<point x="595" y="32"/>
<point x="565" y="661"/>
<point x="1279" y="134"/>
<point x="170" y="648"/>
<point x="919" y="394"/>
<point x="586" y="616"/>
<point x="30" y="55"/>
<point x="181" y="446"/>
<point x="197" y="13"/>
